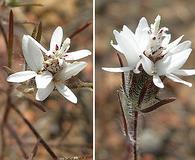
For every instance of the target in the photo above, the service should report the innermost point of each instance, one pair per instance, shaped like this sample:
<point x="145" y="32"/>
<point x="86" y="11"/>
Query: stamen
<point x="57" y="47"/>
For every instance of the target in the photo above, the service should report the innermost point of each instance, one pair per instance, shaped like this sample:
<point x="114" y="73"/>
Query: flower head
<point x="150" y="49"/>
<point x="50" y="69"/>
<point x="162" y="58"/>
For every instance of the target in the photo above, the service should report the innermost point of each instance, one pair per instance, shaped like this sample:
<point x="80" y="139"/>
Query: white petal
<point x="21" y="76"/>
<point x="116" y="46"/>
<point x="56" y="39"/>
<point x="43" y="79"/>
<point x="120" y="69"/>
<point x="126" y="32"/>
<point x="178" y="60"/>
<point x="128" y="47"/>
<point x="147" y="64"/>
<point x="185" y="72"/>
<point x="77" y="55"/>
<point x="66" y="92"/>
<point x="70" y="70"/>
<point x="37" y="44"/>
<point x="174" y="43"/>
<point x="141" y="34"/>
<point x="43" y="93"/>
<point x="178" y="80"/>
<point x="162" y="65"/>
<point x="65" y="45"/>
<point x="182" y="46"/>
<point x="166" y="40"/>
<point x="142" y="25"/>
<point x="32" y="54"/>
<point x="157" y="81"/>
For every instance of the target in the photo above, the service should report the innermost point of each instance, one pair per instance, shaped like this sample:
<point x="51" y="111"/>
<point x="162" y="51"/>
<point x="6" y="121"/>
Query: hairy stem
<point x="135" y="135"/>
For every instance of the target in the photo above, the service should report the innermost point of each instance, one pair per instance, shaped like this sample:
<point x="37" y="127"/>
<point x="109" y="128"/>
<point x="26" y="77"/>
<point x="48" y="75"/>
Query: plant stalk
<point x="135" y="135"/>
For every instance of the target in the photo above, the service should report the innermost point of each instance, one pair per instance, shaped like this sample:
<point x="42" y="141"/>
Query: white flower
<point x="34" y="59"/>
<point x="58" y="50"/>
<point x="162" y="58"/>
<point x="69" y="70"/>
<point x="131" y="45"/>
<point x="150" y="47"/>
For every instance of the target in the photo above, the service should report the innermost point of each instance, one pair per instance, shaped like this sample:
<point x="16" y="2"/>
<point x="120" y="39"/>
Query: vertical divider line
<point x="93" y="79"/>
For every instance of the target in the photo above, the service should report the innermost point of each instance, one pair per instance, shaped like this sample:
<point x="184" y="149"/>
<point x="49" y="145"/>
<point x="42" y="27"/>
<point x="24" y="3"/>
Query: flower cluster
<point x="150" y="48"/>
<point x="50" y="67"/>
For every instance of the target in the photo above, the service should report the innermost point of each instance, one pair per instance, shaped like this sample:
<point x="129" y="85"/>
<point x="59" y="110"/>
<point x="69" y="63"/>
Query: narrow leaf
<point x="8" y="70"/>
<point x="158" y="104"/>
<point x="122" y="73"/>
<point x="143" y="92"/>
<point x="34" y="32"/>
<point x="39" y="32"/>
<point x="25" y="5"/>
<point x="123" y="115"/>
<point x="10" y="39"/>
<point x="80" y="30"/>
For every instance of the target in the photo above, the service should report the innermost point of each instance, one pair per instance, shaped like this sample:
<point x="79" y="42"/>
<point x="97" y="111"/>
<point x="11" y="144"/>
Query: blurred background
<point x="167" y="133"/>
<point x="66" y="127"/>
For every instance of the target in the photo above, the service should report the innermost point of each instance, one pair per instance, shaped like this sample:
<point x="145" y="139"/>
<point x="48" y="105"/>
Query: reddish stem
<point x="135" y="134"/>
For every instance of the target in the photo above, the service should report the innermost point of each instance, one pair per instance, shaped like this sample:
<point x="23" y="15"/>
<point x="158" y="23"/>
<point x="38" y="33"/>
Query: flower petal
<point x="126" y="32"/>
<point x="128" y="47"/>
<point x="116" y="46"/>
<point x="185" y="72"/>
<point x="66" y="92"/>
<point x="77" y="55"/>
<point x="43" y="79"/>
<point x="178" y="60"/>
<point x="56" y="39"/>
<point x="147" y="64"/>
<point x="43" y="93"/>
<point x="182" y="46"/>
<point x="65" y="45"/>
<point x="141" y="33"/>
<point x="174" y="43"/>
<point x="32" y="54"/>
<point x="70" y="70"/>
<point x="178" y="80"/>
<point x="120" y="69"/>
<point x="162" y="65"/>
<point x="142" y="25"/>
<point x="157" y="81"/>
<point x="166" y="40"/>
<point x="37" y="44"/>
<point x="21" y="76"/>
